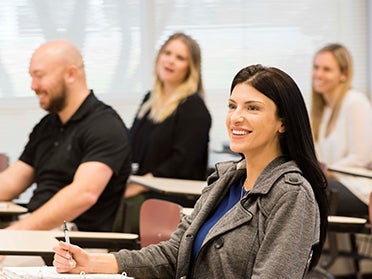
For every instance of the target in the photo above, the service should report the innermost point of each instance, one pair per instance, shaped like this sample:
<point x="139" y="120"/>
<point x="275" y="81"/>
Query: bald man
<point x="78" y="154"/>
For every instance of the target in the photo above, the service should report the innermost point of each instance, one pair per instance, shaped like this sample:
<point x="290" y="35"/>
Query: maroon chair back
<point x="370" y="210"/>
<point x="4" y="161"/>
<point x="158" y="220"/>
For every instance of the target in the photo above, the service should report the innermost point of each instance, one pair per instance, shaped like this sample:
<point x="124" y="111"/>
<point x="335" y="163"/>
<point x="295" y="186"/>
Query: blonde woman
<point x="170" y="133"/>
<point x="342" y="121"/>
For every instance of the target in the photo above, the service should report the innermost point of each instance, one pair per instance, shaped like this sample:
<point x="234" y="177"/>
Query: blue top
<point x="231" y="198"/>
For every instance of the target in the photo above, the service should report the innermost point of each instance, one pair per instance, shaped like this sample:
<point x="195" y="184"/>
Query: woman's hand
<point x="369" y="166"/>
<point x="329" y="174"/>
<point x="326" y="172"/>
<point x="70" y="258"/>
<point x="134" y="189"/>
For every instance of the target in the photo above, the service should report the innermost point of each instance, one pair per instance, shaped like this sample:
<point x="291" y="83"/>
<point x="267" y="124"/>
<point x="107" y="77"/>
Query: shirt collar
<point x="85" y="108"/>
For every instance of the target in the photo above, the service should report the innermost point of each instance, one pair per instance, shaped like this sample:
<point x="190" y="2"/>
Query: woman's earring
<point x="281" y="130"/>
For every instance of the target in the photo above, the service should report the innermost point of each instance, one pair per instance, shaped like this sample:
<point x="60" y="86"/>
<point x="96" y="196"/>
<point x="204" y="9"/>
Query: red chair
<point x="158" y="220"/>
<point x="4" y="161"/>
<point x="370" y="210"/>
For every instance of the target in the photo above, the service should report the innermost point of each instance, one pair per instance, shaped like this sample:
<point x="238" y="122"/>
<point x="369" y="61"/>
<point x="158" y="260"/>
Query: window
<point x="119" y="39"/>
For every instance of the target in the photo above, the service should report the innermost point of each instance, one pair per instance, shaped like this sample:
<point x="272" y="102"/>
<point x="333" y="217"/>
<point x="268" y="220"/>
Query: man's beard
<point x="58" y="102"/>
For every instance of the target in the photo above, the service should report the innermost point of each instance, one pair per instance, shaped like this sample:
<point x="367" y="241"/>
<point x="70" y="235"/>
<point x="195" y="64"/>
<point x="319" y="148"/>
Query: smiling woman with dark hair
<point x="264" y="216"/>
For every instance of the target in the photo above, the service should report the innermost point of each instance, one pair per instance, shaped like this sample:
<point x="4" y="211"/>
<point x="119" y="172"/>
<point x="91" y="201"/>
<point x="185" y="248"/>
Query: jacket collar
<point x="273" y="171"/>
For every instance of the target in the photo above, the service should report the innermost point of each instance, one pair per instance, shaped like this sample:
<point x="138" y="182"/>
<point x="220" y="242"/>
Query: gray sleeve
<point x="287" y="241"/>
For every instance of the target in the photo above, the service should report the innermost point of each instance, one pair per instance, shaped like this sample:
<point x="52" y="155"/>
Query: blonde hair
<point x="192" y="83"/>
<point x="344" y="60"/>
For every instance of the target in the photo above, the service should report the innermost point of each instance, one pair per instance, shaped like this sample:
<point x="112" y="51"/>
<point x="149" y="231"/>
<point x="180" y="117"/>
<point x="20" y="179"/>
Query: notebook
<point x="49" y="272"/>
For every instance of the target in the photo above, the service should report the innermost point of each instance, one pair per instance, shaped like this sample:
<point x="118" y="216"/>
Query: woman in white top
<point x="341" y="120"/>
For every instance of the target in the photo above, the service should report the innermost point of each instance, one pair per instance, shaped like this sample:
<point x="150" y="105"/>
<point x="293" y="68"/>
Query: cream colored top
<point x="349" y="143"/>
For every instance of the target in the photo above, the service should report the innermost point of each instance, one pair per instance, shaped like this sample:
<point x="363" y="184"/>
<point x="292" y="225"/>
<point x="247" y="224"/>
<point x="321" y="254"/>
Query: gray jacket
<point x="268" y="234"/>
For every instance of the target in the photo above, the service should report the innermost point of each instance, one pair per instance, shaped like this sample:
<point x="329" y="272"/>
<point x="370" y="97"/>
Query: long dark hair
<point x="297" y="141"/>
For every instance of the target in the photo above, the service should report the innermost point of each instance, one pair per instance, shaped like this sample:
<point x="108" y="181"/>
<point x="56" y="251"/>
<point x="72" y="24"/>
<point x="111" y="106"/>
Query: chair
<point x="158" y="220"/>
<point x="370" y="211"/>
<point x="4" y="161"/>
<point x="351" y="226"/>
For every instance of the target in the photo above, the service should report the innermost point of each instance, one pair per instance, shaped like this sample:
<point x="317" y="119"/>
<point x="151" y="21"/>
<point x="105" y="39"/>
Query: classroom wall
<point x="18" y="118"/>
<point x="119" y="50"/>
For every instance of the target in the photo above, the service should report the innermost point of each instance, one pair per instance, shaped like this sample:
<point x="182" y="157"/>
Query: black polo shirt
<point x="55" y="150"/>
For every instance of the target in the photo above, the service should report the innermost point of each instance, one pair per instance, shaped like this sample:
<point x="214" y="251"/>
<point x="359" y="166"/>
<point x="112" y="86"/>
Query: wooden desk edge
<point x="344" y="224"/>
<point x="109" y="240"/>
<point x="142" y="180"/>
<point x="353" y="171"/>
<point x="97" y="235"/>
<point x="8" y="207"/>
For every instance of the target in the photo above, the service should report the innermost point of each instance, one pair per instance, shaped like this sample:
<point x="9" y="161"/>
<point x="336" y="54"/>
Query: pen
<point x="65" y="230"/>
<point x="67" y="238"/>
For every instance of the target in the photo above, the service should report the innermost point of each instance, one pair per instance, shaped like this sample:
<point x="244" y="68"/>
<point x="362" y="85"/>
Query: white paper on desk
<point x="49" y="272"/>
<point x="361" y="187"/>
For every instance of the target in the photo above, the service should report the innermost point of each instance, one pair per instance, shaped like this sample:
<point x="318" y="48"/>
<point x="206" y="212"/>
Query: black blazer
<point x="176" y="147"/>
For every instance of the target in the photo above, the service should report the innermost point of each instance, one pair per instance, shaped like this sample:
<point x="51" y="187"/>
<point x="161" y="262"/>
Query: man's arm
<point x="15" y="179"/>
<point x="71" y="201"/>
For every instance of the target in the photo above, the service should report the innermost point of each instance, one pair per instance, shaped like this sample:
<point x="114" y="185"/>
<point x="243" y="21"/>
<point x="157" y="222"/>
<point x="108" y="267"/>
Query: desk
<point x="41" y="243"/>
<point x="358" y="180"/>
<point x="28" y="243"/>
<point x="360" y="184"/>
<point x="351" y="226"/>
<point x="11" y="209"/>
<point x="361" y="172"/>
<point x="19" y="242"/>
<point x="109" y="240"/>
<point x="187" y="210"/>
<point x="169" y="185"/>
<point x="342" y="224"/>
<point x="9" y="212"/>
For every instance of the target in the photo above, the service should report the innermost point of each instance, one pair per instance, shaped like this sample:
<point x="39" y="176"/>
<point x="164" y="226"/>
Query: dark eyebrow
<point x="253" y="102"/>
<point x="247" y="102"/>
